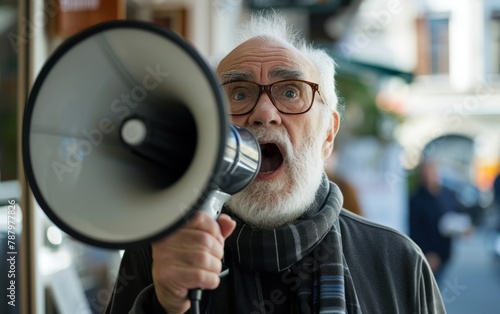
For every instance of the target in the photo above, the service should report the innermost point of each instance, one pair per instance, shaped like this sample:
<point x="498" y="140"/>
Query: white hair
<point x="274" y="26"/>
<point x="272" y="204"/>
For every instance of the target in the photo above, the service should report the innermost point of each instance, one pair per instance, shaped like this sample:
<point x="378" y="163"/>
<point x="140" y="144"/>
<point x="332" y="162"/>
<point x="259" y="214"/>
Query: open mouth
<point x="272" y="158"/>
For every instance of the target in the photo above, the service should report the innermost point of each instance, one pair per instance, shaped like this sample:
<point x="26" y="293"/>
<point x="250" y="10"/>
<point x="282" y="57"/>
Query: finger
<point x="202" y="221"/>
<point x="180" y="278"/>
<point x="198" y="259"/>
<point x="192" y="239"/>
<point x="226" y="225"/>
<point x="172" y="296"/>
<point x="173" y="304"/>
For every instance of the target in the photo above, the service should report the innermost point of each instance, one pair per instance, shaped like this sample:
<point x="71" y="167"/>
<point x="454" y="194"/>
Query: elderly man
<point x="288" y="244"/>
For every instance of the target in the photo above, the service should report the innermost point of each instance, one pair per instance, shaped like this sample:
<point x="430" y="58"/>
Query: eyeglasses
<point x="288" y="96"/>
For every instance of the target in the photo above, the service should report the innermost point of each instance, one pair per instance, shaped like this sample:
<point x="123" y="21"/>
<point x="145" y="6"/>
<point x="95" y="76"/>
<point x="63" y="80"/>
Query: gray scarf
<point x="311" y="247"/>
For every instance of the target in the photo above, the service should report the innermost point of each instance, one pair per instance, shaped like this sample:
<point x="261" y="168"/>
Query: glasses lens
<point x="242" y="96"/>
<point x="292" y="96"/>
<point x="288" y="96"/>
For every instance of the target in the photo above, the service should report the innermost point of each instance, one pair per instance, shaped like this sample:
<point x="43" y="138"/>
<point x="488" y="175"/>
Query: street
<point x="472" y="282"/>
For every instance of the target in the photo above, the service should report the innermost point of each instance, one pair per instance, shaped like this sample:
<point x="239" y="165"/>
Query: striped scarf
<point x="311" y="248"/>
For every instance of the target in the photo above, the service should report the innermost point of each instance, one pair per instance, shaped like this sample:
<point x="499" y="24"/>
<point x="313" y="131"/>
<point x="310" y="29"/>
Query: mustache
<point x="278" y="136"/>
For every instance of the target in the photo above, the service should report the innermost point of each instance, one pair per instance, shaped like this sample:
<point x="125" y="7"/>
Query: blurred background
<point x="418" y="81"/>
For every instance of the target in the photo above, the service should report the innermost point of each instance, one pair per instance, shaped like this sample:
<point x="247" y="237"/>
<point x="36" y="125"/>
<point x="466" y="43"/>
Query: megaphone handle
<point x="195" y="297"/>
<point x="213" y="206"/>
<point x="214" y="202"/>
<point x="195" y="294"/>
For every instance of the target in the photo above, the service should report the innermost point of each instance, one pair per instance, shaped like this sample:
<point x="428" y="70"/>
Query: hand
<point x="190" y="258"/>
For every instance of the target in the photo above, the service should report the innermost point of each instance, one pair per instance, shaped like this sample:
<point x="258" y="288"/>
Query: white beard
<point x="271" y="204"/>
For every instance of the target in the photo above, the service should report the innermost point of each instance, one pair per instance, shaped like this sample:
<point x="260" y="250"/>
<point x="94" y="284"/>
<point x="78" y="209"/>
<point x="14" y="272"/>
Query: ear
<point x="330" y="135"/>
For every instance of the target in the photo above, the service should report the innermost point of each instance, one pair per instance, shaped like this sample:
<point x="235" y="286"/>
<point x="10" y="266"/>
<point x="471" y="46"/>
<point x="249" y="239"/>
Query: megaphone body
<point x="125" y="136"/>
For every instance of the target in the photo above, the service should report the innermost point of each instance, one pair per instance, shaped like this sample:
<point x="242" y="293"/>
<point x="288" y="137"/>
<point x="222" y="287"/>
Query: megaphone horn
<point x="125" y="136"/>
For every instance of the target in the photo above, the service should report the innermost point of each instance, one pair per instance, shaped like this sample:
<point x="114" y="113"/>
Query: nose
<point x="264" y="112"/>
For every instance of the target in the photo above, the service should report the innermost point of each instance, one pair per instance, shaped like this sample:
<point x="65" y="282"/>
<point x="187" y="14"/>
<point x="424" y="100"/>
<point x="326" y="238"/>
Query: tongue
<point x="270" y="163"/>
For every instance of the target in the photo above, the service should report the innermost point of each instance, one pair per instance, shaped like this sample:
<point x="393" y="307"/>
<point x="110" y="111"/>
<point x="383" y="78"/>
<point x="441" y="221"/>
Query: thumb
<point x="226" y="225"/>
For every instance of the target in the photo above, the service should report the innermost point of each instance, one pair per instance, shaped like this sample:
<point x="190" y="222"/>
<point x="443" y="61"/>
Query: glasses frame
<point x="267" y="90"/>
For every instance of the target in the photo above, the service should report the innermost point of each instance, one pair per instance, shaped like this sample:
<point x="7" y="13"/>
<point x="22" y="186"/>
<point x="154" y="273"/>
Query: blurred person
<point x="348" y="191"/>
<point x="434" y="218"/>
<point x="496" y="198"/>
<point x="288" y="244"/>
<point x="351" y="202"/>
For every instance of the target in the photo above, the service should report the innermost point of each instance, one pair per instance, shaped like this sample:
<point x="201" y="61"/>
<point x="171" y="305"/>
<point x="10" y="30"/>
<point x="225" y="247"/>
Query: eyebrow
<point x="276" y="73"/>
<point x="285" y="74"/>
<point x="230" y="76"/>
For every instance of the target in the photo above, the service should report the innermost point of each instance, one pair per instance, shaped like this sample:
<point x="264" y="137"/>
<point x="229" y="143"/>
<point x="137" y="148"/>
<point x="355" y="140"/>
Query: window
<point x="433" y="45"/>
<point x="8" y="92"/>
<point x="495" y="43"/>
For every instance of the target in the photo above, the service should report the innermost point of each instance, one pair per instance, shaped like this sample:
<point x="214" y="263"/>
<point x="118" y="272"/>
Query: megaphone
<point x="125" y="136"/>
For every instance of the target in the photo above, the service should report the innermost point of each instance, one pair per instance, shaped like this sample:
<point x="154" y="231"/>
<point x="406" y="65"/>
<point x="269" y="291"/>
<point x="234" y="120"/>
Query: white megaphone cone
<point x="125" y="135"/>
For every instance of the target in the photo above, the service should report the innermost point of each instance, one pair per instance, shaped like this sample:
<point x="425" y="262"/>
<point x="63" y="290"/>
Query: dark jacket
<point x="426" y="211"/>
<point x="390" y="274"/>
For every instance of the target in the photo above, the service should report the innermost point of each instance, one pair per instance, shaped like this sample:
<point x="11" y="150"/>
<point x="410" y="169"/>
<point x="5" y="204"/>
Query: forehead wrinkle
<point x="253" y="56"/>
